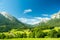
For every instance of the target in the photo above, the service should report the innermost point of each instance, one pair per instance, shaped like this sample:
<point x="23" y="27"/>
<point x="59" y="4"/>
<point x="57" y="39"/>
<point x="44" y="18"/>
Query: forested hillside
<point x="8" y="22"/>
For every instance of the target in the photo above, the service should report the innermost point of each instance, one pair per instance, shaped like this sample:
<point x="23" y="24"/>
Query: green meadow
<point x="32" y="39"/>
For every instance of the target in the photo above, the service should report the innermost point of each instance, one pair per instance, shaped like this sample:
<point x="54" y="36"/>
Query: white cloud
<point x="24" y="20"/>
<point x="45" y="15"/>
<point x="28" y="10"/>
<point x="42" y="19"/>
<point x="34" y="20"/>
<point x="29" y="21"/>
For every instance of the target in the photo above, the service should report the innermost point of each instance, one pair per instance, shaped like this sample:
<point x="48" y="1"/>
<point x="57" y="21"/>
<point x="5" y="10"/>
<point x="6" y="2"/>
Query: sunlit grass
<point x="32" y="39"/>
<point x="56" y="28"/>
<point x="46" y="30"/>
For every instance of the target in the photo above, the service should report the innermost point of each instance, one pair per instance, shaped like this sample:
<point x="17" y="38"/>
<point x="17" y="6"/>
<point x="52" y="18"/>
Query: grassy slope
<point x="33" y="39"/>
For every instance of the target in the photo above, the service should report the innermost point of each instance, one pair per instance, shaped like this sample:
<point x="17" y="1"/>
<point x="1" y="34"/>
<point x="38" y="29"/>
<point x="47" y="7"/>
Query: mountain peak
<point x="6" y="15"/>
<point x="56" y="15"/>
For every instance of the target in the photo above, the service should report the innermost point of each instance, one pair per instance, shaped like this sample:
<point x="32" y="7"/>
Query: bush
<point x="40" y="35"/>
<point x="24" y="35"/>
<point x="52" y="34"/>
<point x="18" y="35"/>
<point x="2" y="36"/>
<point x="12" y="35"/>
<point x="32" y="35"/>
<point x="58" y="34"/>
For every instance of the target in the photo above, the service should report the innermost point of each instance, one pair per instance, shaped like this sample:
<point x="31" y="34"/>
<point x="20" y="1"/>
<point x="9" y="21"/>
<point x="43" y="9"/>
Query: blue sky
<point x="29" y="10"/>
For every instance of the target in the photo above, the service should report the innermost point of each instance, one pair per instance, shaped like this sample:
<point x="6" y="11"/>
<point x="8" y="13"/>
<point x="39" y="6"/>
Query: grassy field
<point x="33" y="39"/>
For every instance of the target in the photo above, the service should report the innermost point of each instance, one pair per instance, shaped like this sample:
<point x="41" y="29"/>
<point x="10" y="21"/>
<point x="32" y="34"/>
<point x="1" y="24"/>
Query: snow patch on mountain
<point x="5" y="14"/>
<point x="56" y="15"/>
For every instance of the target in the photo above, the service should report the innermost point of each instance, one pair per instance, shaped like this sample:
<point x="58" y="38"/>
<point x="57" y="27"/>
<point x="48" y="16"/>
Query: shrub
<point x="24" y="35"/>
<point x="40" y="35"/>
<point x="52" y="34"/>
<point x="32" y="35"/>
<point x="2" y="36"/>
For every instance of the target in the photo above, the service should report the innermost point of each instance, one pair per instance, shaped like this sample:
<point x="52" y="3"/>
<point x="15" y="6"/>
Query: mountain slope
<point x="8" y="22"/>
<point x="55" y="19"/>
<point x="53" y="22"/>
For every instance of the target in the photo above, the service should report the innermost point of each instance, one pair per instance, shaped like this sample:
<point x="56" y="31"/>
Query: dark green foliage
<point x="32" y="35"/>
<point x="2" y="36"/>
<point x="52" y="34"/>
<point x="39" y="35"/>
<point x="24" y="35"/>
<point x="58" y="34"/>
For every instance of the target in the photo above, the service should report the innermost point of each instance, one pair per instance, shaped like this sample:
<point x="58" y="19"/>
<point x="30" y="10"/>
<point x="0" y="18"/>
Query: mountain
<point x="55" y="19"/>
<point x="56" y="15"/>
<point x="53" y="22"/>
<point x="8" y="22"/>
<point x="6" y="15"/>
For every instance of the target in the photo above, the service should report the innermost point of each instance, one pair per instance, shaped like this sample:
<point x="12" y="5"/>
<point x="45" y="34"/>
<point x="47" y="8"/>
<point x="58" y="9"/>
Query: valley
<point x="12" y="28"/>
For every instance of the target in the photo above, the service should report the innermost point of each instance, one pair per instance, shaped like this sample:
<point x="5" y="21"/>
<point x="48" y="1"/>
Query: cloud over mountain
<point x="34" y="20"/>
